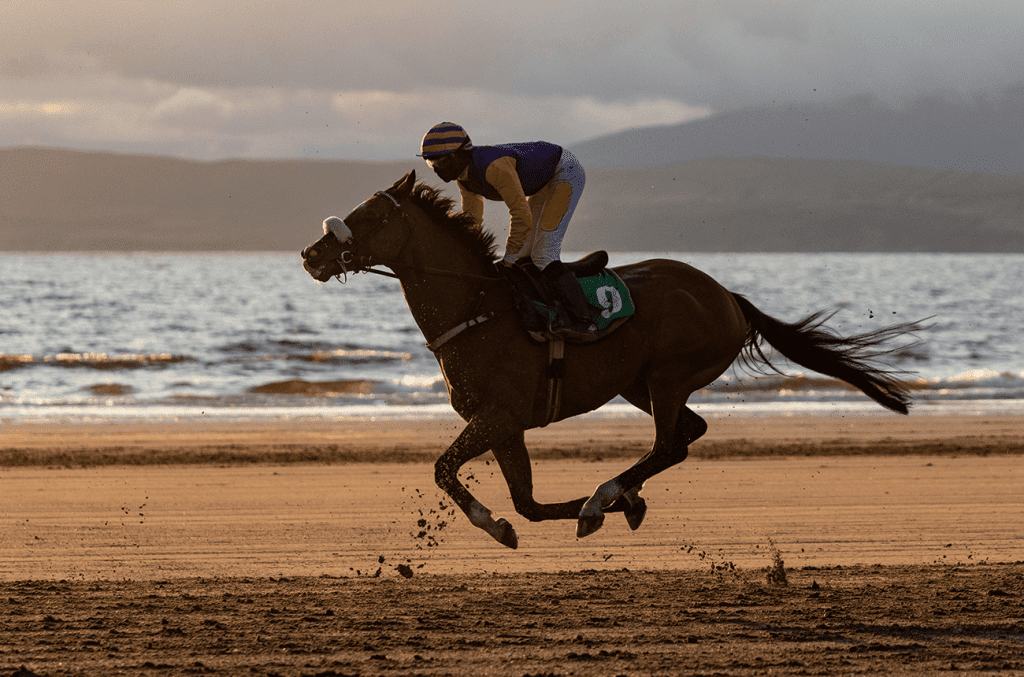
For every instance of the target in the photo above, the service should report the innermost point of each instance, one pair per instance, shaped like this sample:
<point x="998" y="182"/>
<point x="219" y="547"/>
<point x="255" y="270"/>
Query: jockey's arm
<point x="473" y="204"/>
<point x="503" y="176"/>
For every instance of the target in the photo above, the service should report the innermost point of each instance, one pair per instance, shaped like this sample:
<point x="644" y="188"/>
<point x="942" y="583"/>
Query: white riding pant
<point x="552" y="207"/>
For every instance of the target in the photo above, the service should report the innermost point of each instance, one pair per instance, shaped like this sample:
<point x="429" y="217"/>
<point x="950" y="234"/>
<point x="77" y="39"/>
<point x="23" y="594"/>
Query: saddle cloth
<point x="609" y="298"/>
<point x="607" y="294"/>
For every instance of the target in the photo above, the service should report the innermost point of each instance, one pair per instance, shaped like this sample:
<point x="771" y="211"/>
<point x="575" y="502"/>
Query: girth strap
<point x="444" y="338"/>
<point x="556" y="372"/>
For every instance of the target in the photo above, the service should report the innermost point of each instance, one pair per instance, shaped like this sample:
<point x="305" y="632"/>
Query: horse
<point x="686" y="331"/>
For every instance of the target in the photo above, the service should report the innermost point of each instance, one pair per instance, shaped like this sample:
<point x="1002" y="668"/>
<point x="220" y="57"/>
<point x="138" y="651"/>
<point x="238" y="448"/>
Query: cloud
<point x="212" y="123"/>
<point x="356" y="79"/>
<point x="189" y="100"/>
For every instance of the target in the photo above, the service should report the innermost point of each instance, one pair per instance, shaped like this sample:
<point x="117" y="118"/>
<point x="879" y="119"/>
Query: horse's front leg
<point x="486" y="429"/>
<point x="514" y="460"/>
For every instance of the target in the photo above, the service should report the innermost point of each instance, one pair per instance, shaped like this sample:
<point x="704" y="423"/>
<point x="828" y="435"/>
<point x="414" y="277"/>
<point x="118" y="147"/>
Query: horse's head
<point x="350" y="244"/>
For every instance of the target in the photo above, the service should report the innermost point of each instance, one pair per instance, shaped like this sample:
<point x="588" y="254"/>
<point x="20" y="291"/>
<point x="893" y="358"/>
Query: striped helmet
<point x="444" y="138"/>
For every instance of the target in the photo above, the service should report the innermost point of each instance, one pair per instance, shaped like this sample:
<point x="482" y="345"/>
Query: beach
<point x="897" y="541"/>
<point x="141" y="500"/>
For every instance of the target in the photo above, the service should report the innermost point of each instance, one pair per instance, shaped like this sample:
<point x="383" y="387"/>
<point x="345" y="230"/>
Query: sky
<point x="216" y="79"/>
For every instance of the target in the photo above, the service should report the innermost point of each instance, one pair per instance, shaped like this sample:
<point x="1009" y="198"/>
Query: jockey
<point x="539" y="182"/>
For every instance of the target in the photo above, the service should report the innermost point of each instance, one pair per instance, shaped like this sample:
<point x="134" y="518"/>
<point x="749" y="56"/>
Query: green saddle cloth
<point x="608" y="295"/>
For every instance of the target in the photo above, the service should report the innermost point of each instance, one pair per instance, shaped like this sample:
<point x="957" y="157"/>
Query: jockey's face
<point x="447" y="167"/>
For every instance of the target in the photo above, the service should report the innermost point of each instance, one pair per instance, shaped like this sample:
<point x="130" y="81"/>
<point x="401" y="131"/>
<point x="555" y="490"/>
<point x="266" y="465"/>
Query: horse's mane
<point x="442" y="210"/>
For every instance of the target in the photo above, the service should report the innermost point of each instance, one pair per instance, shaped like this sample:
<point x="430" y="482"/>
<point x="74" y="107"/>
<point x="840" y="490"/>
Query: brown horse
<point x="686" y="332"/>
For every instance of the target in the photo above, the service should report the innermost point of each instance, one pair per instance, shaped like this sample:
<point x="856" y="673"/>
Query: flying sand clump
<point x="431" y="522"/>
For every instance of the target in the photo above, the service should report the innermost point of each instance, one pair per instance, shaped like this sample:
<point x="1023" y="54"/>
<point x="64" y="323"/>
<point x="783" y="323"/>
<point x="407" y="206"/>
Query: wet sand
<point x="352" y="440"/>
<point x="783" y="545"/>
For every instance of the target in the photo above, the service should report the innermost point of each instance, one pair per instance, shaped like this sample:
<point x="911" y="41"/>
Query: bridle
<point x="365" y="263"/>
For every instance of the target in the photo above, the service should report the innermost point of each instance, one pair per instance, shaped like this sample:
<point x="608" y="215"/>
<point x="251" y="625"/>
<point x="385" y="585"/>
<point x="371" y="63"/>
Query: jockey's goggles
<point x="440" y="160"/>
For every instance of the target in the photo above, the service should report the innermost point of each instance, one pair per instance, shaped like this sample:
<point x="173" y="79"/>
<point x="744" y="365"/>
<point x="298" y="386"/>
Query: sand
<point x="796" y="545"/>
<point x="192" y="498"/>
<point x="346" y="440"/>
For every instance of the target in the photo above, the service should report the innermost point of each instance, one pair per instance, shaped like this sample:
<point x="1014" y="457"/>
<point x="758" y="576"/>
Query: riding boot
<point x="575" y="309"/>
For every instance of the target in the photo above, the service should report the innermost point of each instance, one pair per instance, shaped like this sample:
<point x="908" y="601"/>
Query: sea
<point x="127" y="337"/>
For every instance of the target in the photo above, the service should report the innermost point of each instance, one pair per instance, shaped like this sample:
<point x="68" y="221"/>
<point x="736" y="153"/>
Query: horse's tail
<point x="854" y="359"/>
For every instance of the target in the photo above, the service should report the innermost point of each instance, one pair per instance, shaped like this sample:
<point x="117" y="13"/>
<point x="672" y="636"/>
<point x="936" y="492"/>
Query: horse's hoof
<point x="635" y="514"/>
<point x="588" y="525"/>
<point x="507" y="537"/>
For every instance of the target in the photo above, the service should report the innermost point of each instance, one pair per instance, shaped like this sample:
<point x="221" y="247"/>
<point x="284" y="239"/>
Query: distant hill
<point x="59" y="200"/>
<point x="70" y="200"/>
<point x="773" y="205"/>
<point x="984" y="132"/>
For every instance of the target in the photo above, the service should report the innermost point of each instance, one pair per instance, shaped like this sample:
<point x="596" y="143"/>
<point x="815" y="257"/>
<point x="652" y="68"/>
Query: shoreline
<point x="411" y="441"/>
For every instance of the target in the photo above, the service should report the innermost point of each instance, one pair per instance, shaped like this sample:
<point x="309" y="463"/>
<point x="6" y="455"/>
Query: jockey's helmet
<point x="444" y="138"/>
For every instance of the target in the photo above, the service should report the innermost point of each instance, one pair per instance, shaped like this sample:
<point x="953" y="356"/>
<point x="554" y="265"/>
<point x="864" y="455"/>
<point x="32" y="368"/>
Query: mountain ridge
<point x="64" y="200"/>
<point x="977" y="133"/>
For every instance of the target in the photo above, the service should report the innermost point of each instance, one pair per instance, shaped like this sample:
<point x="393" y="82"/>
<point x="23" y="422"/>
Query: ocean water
<point x="102" y="336"/>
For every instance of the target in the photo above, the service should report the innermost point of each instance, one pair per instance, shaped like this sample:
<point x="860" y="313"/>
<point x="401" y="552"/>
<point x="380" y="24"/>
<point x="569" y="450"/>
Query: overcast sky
<point x="214" y="79"/>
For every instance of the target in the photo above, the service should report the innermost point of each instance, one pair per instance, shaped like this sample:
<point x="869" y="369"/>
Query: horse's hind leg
<point x="636" y="508"/>
<point x="674" y="431"/>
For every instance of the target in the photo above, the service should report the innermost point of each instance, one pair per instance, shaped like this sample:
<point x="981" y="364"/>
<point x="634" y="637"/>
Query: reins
<point x="366" y="261"/>
<point x="556" y="353"/>
<point x="365" y="265"/>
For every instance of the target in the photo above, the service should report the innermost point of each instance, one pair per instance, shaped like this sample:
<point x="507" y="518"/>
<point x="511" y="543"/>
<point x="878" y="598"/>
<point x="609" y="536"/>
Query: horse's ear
<point x="404" y="185"/>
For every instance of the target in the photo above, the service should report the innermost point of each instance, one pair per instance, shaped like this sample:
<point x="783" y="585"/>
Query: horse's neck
<point x="438" y="301"/>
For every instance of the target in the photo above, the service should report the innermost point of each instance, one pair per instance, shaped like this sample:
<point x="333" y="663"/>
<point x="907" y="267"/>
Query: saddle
<point x="609" y="298"/>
